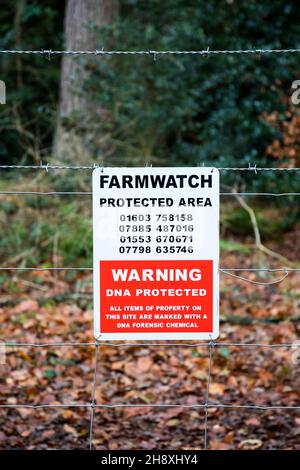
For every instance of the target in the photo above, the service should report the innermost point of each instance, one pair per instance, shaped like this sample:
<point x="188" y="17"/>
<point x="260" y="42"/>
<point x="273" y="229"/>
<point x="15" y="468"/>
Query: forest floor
<point x="47" y="307"/>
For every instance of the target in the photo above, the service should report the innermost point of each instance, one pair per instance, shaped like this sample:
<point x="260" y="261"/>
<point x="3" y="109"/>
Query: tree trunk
<point x="69" y="147"/>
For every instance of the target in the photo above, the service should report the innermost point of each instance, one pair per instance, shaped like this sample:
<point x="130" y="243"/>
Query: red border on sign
<point x="174" y="305"/>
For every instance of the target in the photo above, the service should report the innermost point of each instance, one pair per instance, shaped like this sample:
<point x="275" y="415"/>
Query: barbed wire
<point x="47" y="167"/>
<point x="152" y="53"/>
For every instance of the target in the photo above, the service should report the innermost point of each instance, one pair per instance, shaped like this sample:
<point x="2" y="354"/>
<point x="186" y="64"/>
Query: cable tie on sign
<point x="98" y="165"/>
<point x="277" y="281"/>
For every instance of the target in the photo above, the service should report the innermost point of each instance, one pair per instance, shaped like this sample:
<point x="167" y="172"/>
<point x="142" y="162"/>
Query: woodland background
<point x="130" y="111"/>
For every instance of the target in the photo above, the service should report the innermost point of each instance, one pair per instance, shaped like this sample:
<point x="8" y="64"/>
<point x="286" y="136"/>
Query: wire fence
<point x="211" y="345"/>
<point x="208" y="403"/>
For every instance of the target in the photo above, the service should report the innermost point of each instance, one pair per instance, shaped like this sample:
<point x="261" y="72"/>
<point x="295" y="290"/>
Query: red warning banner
<point x="148" y="296"/>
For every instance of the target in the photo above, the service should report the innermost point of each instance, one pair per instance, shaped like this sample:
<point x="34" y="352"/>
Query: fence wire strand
<point x="93" y="401"/>
<point x="225" y="271"/>
<point x="249" y="406"/>
<point x="89" y="193"/>
<point x="211" y="346"/>
<point x="75" y="268"/>
<point x="13" y="344"/>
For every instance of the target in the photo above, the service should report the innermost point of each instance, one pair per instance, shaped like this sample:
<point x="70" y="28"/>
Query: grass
<point x="272" y="222"/>
<point x="234" y="247"/>
<point x="45" y="230"/>
<point x="57" y="230"/>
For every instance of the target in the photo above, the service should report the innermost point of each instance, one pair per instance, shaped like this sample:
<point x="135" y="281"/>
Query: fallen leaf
<point x="144" y="364"/>
<point x="173" y="422"/>
<point x="69" y="429"/>
<point x="218" y="445"/>
<point x="19" y="375"/>
<point x="130" y="369"/>
<point x="216" y="389"/>
<point x="250" y="444"/>
<point x="252" y="422"/>
<point x="199" y="374"/>
<point x="229" y="437"/>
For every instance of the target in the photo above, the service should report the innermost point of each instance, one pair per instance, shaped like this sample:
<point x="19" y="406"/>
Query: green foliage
<point x="188" y="110"/>
<point x="236" y="221"/>
<point x="234" y="247"/>
<point x="61" y="234"/>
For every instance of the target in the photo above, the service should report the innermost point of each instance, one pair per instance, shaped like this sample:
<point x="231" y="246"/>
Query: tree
<point x="27" y="119"/>
<point x="81" y="17"/>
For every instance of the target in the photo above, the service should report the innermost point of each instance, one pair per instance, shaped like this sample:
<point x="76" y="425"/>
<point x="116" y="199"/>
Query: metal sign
<point x="156" y="253"/>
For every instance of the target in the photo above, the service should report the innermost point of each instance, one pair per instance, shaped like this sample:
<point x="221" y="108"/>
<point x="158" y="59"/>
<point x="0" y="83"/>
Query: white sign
<point x="156" y="253"/>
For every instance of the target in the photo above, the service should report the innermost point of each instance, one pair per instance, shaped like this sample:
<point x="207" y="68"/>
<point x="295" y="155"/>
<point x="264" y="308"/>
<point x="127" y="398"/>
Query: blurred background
<point x="223" y="111"/>
<point x="226" y="110"/>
